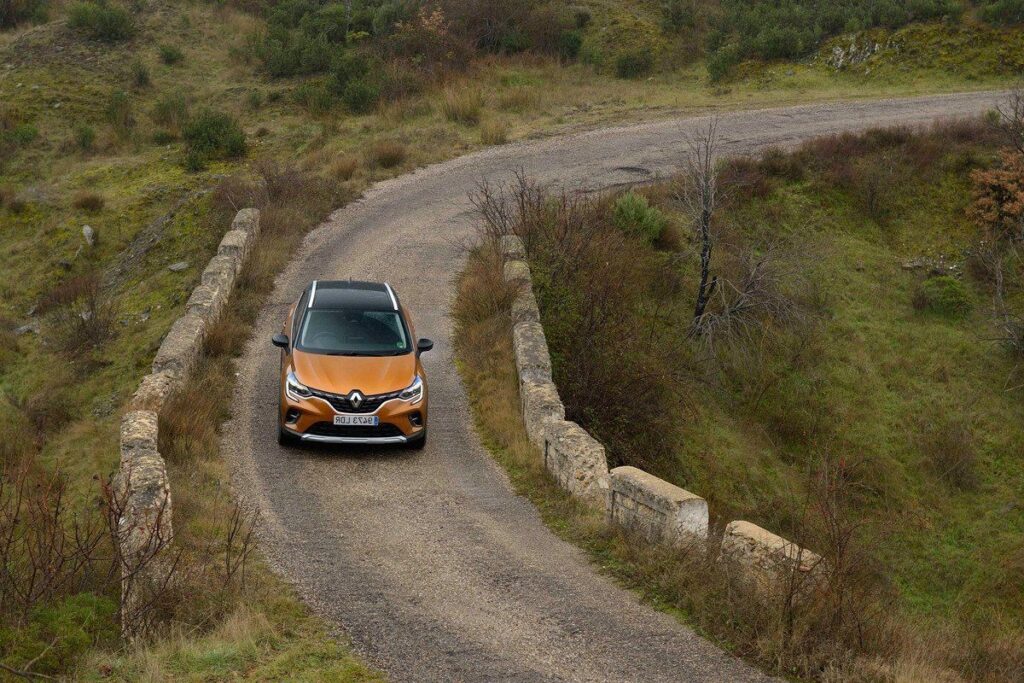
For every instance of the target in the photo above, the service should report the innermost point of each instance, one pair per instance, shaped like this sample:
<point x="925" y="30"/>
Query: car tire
<point x="418" y="444"/>
<point x="286" y="438"/>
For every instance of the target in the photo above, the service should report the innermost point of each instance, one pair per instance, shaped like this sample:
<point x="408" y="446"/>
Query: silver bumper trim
<point x="317" y="438"/>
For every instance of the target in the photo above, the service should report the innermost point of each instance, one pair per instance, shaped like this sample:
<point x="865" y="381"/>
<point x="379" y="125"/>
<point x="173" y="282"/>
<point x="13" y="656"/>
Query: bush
<point x="171" y="111"/>
<point x="100" y="21"/>
<point x="1003" y="12"/>
<point x="140" y="75"/>
<point x="494" y="132"/>
<point x="943" y="295"/>
<point x="360" y="96"/>
<point x="997" y="198"/>
<point x="948" y="446"/>
<point x="89" y="201"/>
<point x="635" y="216"/>
<point x="210" y="135"/>
<point x="677" y="15"/>
<point x="634" y="64"/>
<point x="462" y="105"/>
<point x="315" y="97"/>
<point x="345" y="167"/>
<point x="14" y="12"/>
<point x="170" y="54"/>
<point x="83" y="314"/>
<point x="20" y="135"/>
<point x="386" y="153"/>
<point x="85" y="136"/>
<point x="119" y="113"/>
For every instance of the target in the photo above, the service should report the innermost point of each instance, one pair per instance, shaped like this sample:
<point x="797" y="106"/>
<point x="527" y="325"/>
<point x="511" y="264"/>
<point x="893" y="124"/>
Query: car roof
<point x="352" y="294"/>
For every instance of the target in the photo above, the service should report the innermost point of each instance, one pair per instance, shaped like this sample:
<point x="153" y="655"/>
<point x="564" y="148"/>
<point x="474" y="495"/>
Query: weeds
<point x="101" y="21"/>
<point x="89" y="201"/>
<point x="82" y="314"/>
<point x="493" y="132"/>
<point x="385" y="154"/>
<point x="462" y="105"/>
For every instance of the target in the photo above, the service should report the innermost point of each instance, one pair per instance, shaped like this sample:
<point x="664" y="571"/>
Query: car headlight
<point x="296" y="389"/>
<point x="413" y="392"/>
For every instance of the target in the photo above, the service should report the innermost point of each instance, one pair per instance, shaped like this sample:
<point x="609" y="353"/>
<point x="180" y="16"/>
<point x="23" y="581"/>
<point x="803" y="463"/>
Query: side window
<point x="300" y="310"/>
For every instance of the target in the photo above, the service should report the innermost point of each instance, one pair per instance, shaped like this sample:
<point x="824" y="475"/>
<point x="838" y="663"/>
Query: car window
<point x="353" y="332"/>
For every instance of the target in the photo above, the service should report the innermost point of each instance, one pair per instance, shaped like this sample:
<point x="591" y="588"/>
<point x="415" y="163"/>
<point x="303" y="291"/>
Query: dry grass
<point x="462" y="104"/>
<point x="494" y="132"/>
<point x="386" y="154"/>
<point x="89" y="201"/>
<point x="344" y="167"/>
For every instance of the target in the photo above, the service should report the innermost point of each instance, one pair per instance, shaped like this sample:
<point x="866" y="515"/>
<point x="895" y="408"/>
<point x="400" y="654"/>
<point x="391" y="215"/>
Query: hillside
<point x="152" y="123"/>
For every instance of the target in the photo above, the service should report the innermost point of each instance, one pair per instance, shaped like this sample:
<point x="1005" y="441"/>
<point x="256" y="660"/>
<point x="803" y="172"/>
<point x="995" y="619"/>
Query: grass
<point x="902" y="399"/>
<point x="102" y="118"/>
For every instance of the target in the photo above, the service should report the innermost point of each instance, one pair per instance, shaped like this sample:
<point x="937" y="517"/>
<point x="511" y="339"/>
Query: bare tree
<point x="1011" y="119"/>
<point x="699" y="193"/>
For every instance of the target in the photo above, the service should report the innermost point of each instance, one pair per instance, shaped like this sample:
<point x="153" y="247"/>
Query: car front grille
<point x="350" y="431"/>
<point x="343" y="405"/>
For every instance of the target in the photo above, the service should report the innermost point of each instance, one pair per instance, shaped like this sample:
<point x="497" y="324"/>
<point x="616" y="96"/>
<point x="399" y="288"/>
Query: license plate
<point x="356" y="420"/>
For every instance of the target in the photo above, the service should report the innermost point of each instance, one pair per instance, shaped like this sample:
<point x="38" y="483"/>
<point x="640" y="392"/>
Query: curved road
<point x="428" y="560"/>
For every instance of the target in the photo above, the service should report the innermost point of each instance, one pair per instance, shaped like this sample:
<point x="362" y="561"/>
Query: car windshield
<point x="353" y="332"/>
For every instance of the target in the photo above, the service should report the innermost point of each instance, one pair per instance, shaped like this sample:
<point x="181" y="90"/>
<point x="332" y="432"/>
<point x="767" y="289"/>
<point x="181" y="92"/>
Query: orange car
<point x="350" y="371"/>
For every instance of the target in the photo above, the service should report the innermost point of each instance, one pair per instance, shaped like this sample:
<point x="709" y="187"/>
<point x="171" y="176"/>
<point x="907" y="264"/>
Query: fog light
<point x="416" y="419"/>
<point x="291" y="416"/>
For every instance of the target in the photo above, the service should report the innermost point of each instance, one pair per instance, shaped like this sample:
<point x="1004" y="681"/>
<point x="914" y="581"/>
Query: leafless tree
<point x="699" y="193"/>
<point x="1011" y="119"/>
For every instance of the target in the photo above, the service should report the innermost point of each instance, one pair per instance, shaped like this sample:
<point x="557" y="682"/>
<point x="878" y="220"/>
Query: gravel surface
<point x="428" y="560"/>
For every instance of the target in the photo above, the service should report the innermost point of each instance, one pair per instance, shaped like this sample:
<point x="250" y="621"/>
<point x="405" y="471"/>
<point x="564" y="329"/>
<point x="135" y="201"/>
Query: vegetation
<point x="143" y="121"/>
<point x="824" y="353"/>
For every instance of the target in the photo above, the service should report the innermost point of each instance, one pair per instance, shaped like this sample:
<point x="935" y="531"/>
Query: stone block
<point x="577" y="461"/>
<point x="512" y="247"/>
<point x="530" y="347"/>
<point x="182" y="345"/>
<point x="540" y="404"/>
<point x="655" y="509"/>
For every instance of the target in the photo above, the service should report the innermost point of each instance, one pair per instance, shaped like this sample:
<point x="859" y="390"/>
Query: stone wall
<point x="143" y="491"/>
<point x="638" y="501"/>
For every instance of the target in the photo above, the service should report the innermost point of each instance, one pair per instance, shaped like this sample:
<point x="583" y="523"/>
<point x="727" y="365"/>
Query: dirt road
<point x="430" y="562"/>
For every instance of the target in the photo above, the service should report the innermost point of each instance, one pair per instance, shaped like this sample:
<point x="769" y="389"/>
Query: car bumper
<point x="368" y="440"/>
<point x="310" y="420"/>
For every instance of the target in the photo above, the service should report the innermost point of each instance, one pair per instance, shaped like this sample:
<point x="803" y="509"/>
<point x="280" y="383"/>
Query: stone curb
<point x="655" y="509"/>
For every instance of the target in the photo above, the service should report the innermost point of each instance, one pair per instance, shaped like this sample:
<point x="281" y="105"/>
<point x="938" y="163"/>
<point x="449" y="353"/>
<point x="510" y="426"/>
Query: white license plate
<point x="356" y="420"/>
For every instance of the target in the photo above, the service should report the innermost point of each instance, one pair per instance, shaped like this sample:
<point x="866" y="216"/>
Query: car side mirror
<point x="423" y="345"/>
<point x="280" y="341"/>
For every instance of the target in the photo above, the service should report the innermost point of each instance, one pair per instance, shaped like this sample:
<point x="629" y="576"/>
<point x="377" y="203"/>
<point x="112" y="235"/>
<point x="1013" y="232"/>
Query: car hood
<point x="341" y="374"/>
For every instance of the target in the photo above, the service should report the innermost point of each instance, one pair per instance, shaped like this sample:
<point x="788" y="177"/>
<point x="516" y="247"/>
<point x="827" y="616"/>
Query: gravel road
<point x="428" y="560"/>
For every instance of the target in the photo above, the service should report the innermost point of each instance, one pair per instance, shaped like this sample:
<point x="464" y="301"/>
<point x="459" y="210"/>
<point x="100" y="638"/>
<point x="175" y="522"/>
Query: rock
<point x="178" y="267"/>
<point x="89" y="234"/>
<point x="26" y="329"/>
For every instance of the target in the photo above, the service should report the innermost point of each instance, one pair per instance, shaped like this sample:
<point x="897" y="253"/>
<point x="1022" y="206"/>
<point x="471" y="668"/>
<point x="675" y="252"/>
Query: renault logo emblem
<point x="356" y="399"/>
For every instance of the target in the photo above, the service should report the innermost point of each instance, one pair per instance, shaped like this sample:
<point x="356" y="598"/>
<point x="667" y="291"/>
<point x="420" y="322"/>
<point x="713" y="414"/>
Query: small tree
<point x="699" y="193"/>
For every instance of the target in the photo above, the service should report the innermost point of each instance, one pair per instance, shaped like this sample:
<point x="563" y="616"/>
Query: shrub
<point x="677" y="15"/>
<point x="635" y="216"/>
<point x="14" y="12"/>
<point x="944" y="295"/>
<point x="948" y="445"/>
<point x="569" y="44"/>
<point x="462" y="105"/>
<point x="997" y="198"/>
<point x="89" y="201"/>
<point x="345" y="167"/>
<point x="84" y="136"/>
<point x="171" y="111"/>
<point x="82" y="314"/>
<point x="119" y="113"/>
<point x="360" y="96"/>
<point x="634" y="64"/>
<point x="386" y="153"/>
<point x="213" y="134"/>
<point x="315" y="97"/>
<point x="494" y="132"/>
<point x="170" y="54"/>
<point x="1004" y="12"/>
<point x="20" y="135"/>
<point x="140" y="75"/>
<point x="100" y="21"/>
